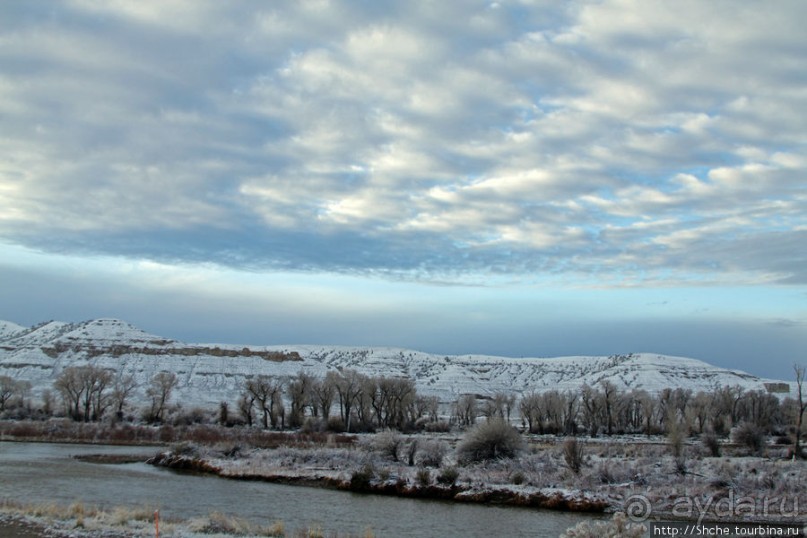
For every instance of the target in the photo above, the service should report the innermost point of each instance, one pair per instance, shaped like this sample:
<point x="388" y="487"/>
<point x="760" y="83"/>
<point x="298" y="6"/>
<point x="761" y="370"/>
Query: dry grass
<point x="218" y="523"/>
<point x="82" y="520"/>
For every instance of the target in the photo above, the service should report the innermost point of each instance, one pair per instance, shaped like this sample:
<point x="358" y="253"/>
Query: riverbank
<point x="644" y="481"/>
<point x="18" y="520"/>
<point x="397" y="481"/>
<point x="63" y="430"/>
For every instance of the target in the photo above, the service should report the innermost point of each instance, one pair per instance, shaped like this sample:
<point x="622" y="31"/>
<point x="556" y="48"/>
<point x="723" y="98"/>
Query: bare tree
<point x="96" y="396"/>
<point x="348" y="385"/>
<point x="224" y="414"/>
<point x="699" y="410"/>
<point x="300" y="395"/>
<point x="801" y="407"/>
<point x="609" y="400"/>
<point x="84" y="391"/>
<point x="122" y="388"/>
<point x="246" y="406"/>
<point x="267" y="393"/>
<point x="592" y="408"/>
<point x="497" y="406"/>
<point x="70" y="387"/>
<point x="649" y="406"/>
<point x="8" y="388"/>
<point x="530" y="409"/>
<point x="425" y="406"/>
<point x="402" y="395"/>
<point x="322" y="395"/>
<point x="466" y="409"/>
<point x="47" y="403"/>
<point x="159" y="390"/>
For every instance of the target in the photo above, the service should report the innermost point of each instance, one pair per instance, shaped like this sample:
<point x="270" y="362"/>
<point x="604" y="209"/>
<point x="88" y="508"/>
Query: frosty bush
<point x="388" y="443"/>
<point x="448" y="476"/>
<point x="573" y="454"/>
<point x="432" y="453"/>
<point x="711" y="443"/>
<point x="750" y="436"/>
<point x="494" y="439"/>
<point x="618" y="527"/>
<point x="424" y="477"/>
<point x="360" y="479"/>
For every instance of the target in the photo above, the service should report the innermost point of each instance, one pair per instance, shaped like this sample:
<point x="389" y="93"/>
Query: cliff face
<point x="210" y="373"/>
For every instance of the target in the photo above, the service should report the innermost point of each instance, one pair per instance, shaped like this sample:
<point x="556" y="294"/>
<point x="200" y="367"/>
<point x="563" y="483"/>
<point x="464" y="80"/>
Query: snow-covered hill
<point x="210" y="373"/>
<point x="8" y="329"/>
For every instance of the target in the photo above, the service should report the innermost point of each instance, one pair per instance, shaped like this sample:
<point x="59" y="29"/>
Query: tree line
<point x="347" y="400"/>
<point x="343" y="400"/>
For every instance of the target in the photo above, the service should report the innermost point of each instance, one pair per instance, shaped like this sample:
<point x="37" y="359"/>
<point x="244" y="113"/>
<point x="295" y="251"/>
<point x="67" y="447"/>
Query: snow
<point x="211" y="373"/>
<point x="8" y="329"/>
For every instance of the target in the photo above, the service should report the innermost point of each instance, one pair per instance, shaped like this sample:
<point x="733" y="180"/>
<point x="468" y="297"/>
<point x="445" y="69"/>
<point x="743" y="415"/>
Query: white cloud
<point x="616" y="137"/>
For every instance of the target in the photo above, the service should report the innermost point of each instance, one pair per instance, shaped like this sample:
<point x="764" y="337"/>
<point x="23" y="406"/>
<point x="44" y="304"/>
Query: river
<point x="43" y="473"/>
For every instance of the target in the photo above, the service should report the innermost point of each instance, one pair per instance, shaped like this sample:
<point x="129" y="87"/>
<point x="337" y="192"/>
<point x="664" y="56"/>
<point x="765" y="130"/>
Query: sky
<point x="518" y="178"/>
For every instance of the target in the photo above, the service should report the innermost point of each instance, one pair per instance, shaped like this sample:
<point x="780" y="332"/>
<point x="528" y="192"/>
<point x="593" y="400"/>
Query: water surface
<point x="43" y="472"/>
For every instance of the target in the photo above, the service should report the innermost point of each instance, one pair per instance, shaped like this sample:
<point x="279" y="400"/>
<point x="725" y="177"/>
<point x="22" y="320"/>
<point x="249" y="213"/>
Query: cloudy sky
<point x="522" y="178"/>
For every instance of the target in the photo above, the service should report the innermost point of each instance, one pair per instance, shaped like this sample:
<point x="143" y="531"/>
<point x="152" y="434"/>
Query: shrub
<point x="676" y="436"/>
<point x="784" y="440"/>
<point x="411" y="452"/>
<point x="711" y="443"/>
<point x="494" y="439"/>
<point x="336" y="424"/>
<point x="184" y="448"/>
<point x="448" y="476"/>
<point x="605" y="474"/>
<point x="360" y="479"/>
<point x="432" y="453"/>
<point x="750" y="436"/>
<point x="573" y="454"/>
<point x="314" y="424"/>
<point x="388" y="443"/>
<point x="424" y="477"/>
<point x="440" y="426"/>
<point x="681" y="466"/>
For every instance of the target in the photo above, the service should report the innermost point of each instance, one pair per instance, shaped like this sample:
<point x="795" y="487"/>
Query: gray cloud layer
<point x="624" y="142"/>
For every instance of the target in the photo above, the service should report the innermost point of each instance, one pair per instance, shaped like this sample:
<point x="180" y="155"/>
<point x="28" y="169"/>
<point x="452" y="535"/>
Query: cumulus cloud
<point x="618" y="141"/>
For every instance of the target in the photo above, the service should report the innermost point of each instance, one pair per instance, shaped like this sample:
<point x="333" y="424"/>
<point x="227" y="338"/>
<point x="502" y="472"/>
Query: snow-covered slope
<point x="210" y="373"/>
<point x="8" y="329"/>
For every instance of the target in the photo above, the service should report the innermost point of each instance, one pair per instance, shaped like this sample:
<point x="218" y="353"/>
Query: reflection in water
<point x="38" y="472"/>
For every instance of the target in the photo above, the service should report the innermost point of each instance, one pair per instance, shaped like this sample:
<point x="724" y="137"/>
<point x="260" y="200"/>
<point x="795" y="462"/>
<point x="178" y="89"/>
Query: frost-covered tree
<point x="123" y="387"/>
<point x="8" y="388"/>
<point x="530" y="409"/>
<point x="299" y="393"/>
<point x="801" y="407"/>
<point x="84" y="391"/>
<point x="70" y="387"/>
<point x="246" y="407"/>
<point x="159" y="391"/>
<point x="266" y="393"/>
<point x="349" y="385"/>
<point x="610" y="401"/>
<point x="322" y="395"/>
<point x="465" y="409"/>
